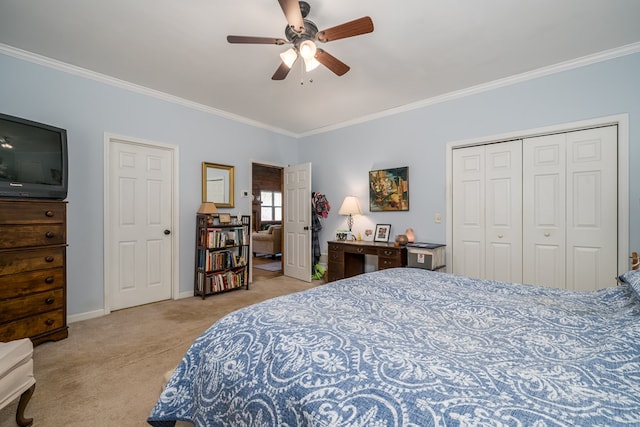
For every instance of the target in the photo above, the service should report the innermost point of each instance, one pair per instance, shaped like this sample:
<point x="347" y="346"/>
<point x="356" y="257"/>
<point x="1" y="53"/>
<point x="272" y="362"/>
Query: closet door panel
<point x="503" y="225"/>
<point x="592" y="208"/>
<point x="544" y="208"/>
<point x="468" y="193"/>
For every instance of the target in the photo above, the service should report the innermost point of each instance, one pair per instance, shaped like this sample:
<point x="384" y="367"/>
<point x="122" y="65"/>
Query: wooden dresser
<point x="346" y="258"/>
<point x="33" y="242"/>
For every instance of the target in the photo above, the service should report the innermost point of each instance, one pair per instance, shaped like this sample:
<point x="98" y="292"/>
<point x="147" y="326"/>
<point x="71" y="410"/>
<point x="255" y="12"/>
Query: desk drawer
<point x="335" y="247"/>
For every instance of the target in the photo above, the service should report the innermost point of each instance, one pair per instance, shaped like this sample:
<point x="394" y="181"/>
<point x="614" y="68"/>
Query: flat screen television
<point x="33" y="159"/>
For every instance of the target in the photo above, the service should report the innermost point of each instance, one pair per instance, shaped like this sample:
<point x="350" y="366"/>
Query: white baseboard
<point x="85" y="316"/>
<point x="186" y="294"/>
<point x="99" y="313"/>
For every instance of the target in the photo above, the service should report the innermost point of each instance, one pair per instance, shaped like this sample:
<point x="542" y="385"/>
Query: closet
<point x="540" y="210"/>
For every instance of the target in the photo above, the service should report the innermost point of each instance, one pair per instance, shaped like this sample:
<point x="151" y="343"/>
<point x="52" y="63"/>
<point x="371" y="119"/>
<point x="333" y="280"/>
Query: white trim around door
<point x="109" y="140"/>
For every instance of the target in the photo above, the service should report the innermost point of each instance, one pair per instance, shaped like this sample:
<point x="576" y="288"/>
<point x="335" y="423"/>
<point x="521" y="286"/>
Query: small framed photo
<point x="382" y="233"/>
<point x="224" y="218"/>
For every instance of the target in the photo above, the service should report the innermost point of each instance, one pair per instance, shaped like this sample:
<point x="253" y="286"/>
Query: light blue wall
<point x="88" y="109"/>
<point x="342" y="158"/>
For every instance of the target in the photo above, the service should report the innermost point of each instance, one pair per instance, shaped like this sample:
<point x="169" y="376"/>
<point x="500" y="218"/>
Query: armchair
<point x="267" y="241"/>
<point x="16" y="376"/>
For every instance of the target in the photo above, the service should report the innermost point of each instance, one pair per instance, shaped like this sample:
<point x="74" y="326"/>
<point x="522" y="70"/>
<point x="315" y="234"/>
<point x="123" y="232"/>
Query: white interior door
<point x="139" y="209"/>
<point x="487" y="211"/>
<point x="571" y="209"/>
<point x="592" y="201"/>
<point x="544" y="208"/>
<point x="503" y="211"/>
<point x="297" y="222"/>
<point x="468" y="212"/>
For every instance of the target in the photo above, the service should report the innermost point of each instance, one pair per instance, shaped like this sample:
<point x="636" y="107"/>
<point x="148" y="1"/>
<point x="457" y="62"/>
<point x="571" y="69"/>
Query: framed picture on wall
<point x="389" y="189"/>
<point x="382" y="233"/>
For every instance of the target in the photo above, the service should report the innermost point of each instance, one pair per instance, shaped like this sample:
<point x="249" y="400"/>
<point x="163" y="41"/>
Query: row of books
<point x="212" y="238"/>
<point x="222" y="282"/>
<point x="211" y="261"/>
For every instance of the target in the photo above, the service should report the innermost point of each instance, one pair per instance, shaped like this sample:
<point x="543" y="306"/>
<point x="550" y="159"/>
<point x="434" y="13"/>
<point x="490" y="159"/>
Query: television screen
<point x="33" y="159"/>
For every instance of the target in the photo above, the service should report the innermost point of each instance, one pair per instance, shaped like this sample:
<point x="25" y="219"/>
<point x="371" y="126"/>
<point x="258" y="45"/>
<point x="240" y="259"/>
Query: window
<point x="271" y="209"/>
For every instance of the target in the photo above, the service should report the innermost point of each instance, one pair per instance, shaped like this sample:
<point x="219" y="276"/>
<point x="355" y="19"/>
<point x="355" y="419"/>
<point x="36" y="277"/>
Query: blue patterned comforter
<point x="409" y="347"/>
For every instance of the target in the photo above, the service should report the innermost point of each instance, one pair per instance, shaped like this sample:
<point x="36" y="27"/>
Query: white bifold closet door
<point x="540" y="210"/>
<point x="487" y="211"/>
<point x="570" y="224"/>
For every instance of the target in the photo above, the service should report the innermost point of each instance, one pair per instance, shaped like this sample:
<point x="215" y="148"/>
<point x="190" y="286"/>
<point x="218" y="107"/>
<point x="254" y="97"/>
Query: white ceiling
<point x="420" y="49"/>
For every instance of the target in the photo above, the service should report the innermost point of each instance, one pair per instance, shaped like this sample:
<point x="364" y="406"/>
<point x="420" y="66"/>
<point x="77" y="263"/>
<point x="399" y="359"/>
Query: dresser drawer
<point x="16" y="308"/>
<point x="32" y="212"/>
<point x="21" y="236"/>
<point x="19" y="285"/>
<point x="13" y="262"/>
<point x="33" y="325"/>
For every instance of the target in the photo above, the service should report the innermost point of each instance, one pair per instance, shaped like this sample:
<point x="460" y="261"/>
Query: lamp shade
<point x="207" y="208"/>
<point x="350" y="206"/>
<point x="289" y="57"/>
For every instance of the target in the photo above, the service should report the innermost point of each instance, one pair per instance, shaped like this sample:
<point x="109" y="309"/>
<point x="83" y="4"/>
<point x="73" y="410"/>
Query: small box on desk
<point x="429" y="256"/>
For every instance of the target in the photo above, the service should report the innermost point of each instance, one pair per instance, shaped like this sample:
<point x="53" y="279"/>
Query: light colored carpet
<point x="271" y="266"/>
<point x="109" y="371"/>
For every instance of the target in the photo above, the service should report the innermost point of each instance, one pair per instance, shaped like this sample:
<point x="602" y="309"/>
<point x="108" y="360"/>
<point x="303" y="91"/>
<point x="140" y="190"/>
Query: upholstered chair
<point x="268" y="241"/>
<point x="16" y="376"/>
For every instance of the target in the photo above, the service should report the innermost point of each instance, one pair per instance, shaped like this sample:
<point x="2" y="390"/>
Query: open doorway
<point x="266" y="213"/>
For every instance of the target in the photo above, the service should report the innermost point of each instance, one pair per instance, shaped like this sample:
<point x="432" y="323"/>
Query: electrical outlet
<point x="437" y="218"/>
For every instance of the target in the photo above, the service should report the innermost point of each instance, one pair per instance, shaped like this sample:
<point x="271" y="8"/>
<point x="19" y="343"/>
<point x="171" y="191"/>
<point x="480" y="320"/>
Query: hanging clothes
<point x="320" y="208"/>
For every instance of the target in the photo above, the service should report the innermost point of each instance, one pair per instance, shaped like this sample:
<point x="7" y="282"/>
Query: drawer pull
<point x="360" y="250"/>
<point x="50" y="234"/>
<point x="49" y="322"/>
<point x="49" y="258"/>
<point x="49" y="279"/>
<point x="388" y="252"/>
<point x="49" y="301"/>
<point x="49" y="213"/>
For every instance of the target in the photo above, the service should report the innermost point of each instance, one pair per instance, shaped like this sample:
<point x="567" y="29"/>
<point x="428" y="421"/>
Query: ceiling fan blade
<point x="356" y="27"/>
<point x="281" y="72"/>
<point x="291" y="9"/>
<point x="255" y="40"/>
<point x="331" y="62"/>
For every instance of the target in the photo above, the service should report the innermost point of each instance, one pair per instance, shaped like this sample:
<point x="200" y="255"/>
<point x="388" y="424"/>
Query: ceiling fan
<point x="303" y="35"/>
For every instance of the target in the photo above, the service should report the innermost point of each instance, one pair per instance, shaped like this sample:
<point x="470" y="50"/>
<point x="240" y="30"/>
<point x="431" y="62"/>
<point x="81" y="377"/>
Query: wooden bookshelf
<point x="223" y="260"/>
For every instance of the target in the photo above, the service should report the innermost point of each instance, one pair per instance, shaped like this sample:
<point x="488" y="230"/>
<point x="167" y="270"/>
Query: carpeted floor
<point x="270" y="266"/>
<point x="109" y="371"/>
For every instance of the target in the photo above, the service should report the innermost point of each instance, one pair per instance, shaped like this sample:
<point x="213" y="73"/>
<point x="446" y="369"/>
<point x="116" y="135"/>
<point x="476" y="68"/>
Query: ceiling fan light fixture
<point x="307" y="49"/>
<point x="289" y="57"/>
<point x="310" y="64"/>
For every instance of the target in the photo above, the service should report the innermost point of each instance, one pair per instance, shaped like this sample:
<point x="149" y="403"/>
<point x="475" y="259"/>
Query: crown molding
<point x="485" y="87"/>
<point x="122" y="84"/>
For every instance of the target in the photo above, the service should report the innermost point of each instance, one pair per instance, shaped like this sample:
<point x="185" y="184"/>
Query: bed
<point x="411" y="347"/>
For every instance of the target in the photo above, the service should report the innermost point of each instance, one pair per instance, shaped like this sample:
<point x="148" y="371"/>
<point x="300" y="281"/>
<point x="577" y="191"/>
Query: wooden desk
<point x="346" y="258"/>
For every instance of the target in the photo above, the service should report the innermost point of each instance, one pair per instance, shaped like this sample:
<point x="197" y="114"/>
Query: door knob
<point x="306" y="227"/>
<point x="167" y="232"/>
